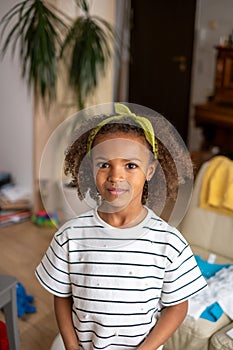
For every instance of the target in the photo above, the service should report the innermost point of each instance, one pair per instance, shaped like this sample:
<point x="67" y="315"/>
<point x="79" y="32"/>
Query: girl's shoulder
<point x="167" y="231"/>
<point x="82" y="220"/>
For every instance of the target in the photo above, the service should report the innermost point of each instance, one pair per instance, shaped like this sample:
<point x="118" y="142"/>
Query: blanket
<point x="219" y="291"/>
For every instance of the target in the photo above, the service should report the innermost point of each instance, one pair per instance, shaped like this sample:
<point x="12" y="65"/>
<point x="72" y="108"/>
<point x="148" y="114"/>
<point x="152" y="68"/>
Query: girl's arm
<point x="63" y="312"/>
<point x="170" y="320"/>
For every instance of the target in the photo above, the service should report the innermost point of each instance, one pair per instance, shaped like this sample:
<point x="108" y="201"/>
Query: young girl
<point x="121" y="276"/>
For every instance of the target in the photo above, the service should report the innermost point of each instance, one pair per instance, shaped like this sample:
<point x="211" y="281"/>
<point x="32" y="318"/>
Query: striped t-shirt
<point x="120" y="279"/>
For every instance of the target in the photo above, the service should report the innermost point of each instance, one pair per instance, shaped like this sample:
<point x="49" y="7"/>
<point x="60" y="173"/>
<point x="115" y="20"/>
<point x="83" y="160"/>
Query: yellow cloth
<point x="217" y="186"/>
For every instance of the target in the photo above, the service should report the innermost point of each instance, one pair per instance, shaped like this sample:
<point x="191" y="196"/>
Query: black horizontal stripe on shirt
<point x="123" y="240"/>
<point x="118" y="252"/>
<point x="93" y="332"/>
<point x="165" y="231"/>
<point x="117" y="288"/>
<point x="112" y="276"/>
<point x="54" y="266"/>
<point x="84" y="216"/>
<point x="184" y="298"/>
<point x="65" y="229"/>
<point x="114" y="326"/>
<point x="118" y="314"/>
<point x="156" y="219"/>
<point x="111" y="239"/>
<point x="57" y="256"/>
<point x="49" y="274"/>
<point x="50" y="288"/>
<point x="72" y="225"/>
<point x="87" y="226"/>
<point x="115" y="301"/>
<point x="115" y="263"/>
<point x="183" y="286"/>
<point x="182" y="263"/>
<point x="183" y="274"/>
<point x="109" y="345"/>
<point x="181" y="252"/>
<point x="112" y="335"/>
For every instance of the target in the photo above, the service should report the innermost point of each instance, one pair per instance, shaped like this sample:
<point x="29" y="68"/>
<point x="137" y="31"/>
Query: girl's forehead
<point x="120" y="136"/>
<point x="120" y="146"/>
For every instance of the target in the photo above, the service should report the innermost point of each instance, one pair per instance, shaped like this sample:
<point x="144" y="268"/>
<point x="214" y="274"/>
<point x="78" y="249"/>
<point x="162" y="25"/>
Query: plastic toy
<point x="24" y="301"/>
<point x="45" y="220"/>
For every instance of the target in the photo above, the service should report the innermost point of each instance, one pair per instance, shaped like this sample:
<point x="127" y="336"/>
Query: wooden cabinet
<point x="216" y="121"/>
<point x="216" y="117"/>
<point x="224" y="76"/>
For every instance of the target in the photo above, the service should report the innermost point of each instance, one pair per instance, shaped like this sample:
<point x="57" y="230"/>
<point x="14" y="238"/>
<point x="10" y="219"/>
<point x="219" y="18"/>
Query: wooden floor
<point x="22" y="247"/>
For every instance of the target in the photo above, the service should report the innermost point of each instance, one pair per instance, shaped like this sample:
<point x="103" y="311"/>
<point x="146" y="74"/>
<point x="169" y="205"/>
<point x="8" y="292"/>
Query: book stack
<point x="15" y="205"/>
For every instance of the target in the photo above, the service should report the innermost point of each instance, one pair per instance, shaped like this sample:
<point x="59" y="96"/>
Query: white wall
<point x="16" y="118"/>
<point x="214" y="19"/>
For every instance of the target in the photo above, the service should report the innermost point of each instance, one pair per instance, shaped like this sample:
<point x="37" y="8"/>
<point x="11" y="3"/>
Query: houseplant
<point x="90" y="38"/>
<point x="46" y="35"/>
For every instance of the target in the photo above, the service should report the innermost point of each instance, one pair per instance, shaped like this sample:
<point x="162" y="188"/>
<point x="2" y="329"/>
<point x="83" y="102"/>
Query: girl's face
<point x="121" y="164"/>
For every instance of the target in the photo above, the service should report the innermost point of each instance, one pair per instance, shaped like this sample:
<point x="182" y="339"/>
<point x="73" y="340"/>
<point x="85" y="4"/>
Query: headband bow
<point x="124" y="111"/>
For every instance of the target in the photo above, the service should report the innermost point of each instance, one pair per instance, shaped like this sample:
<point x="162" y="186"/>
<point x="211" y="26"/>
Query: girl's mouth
<point x="117" y="191"/>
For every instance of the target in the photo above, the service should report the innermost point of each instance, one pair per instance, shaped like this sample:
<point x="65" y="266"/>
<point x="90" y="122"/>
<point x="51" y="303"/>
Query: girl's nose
<point x="115" y="174"/>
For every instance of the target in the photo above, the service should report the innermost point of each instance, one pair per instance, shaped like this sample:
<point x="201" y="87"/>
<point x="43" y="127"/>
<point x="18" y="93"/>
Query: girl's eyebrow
<point x="129" y="159"/>
<point x="100" y="158"/>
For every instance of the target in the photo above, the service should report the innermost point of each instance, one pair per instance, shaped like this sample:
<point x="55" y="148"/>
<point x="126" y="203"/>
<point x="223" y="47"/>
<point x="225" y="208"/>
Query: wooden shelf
<point x="224" y="75"/>
<point x="216" y="122"/>
<point x="216" y="117"/>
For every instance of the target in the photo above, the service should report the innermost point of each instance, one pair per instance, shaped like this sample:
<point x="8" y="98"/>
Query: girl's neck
<point x="124" y="218"/>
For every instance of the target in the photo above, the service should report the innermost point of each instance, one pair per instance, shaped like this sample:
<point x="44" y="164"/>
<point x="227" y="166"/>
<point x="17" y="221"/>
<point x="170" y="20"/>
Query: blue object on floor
<point x="24" y="301"/>
<point x="208" y="269"/>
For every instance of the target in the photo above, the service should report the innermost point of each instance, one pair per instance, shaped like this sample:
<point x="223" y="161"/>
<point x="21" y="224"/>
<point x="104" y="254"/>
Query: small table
<point x="8" y="304"/>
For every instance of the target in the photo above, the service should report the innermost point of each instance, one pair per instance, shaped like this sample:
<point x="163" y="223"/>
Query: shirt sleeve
<point x="53" y="270"/>
<point x="183" y="279"/>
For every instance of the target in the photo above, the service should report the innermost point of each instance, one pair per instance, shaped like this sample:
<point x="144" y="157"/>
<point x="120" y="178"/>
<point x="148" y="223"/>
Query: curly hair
<point x="166" y="180"/>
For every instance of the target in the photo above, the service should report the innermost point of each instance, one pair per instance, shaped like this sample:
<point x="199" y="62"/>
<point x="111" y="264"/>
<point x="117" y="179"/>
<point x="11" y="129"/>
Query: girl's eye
<point x="131" y="166"/>
<point x="102" y="165"/>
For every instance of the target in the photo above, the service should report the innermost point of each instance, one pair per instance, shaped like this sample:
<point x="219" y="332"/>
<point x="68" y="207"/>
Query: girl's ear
<point x="151" y="170"/>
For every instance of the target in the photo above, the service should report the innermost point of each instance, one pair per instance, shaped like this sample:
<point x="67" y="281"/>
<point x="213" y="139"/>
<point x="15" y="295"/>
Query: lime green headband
<point x="124" y="111"/>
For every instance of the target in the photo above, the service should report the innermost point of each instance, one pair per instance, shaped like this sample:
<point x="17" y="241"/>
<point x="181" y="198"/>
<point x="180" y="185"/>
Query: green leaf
<point x="83" y="5"/>
<point x="89" y="40"/>
<point x="45" y="34"/>
<point x="39" y="32"/>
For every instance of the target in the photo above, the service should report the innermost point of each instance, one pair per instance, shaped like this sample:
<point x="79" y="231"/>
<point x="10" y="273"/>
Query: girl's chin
<point x="113" y="205"/>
